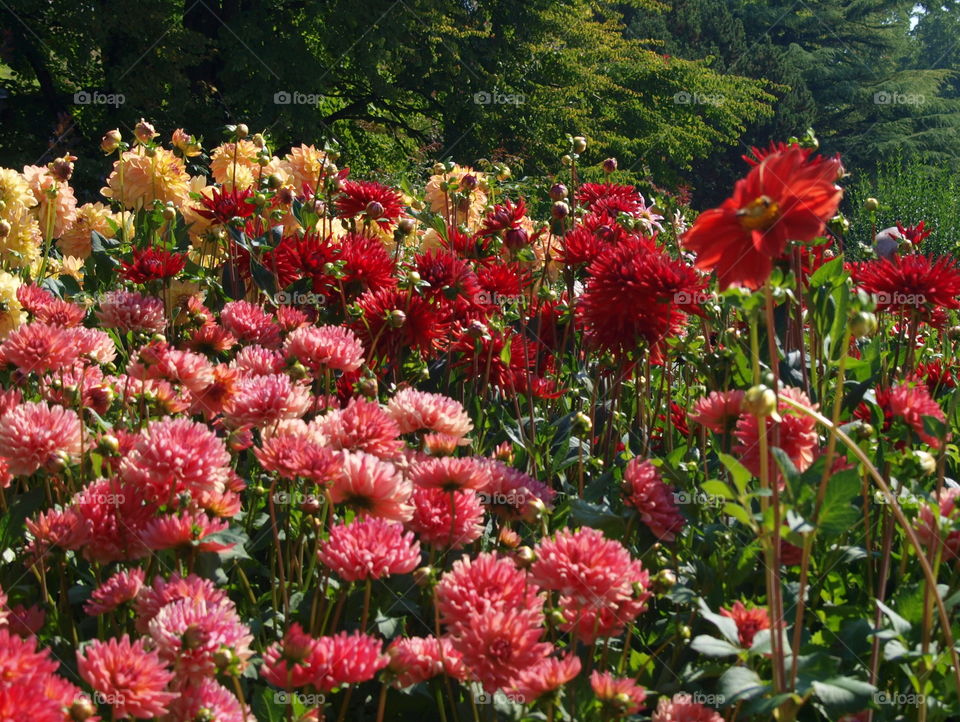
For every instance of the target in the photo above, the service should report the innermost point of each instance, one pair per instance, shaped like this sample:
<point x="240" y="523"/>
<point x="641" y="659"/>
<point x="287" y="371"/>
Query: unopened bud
<point x="579" y="144"/>
<point x="425" y="576"/>
<point x="396" y="318"/>
<point x="525" y="556"/>
<point x="928" y="465"/>
<point x="374" y="210"/>
<point x="582" y="422"/>
<point x="5" y="228"/>
<point x="871" y="204"/>
<point x="406" y="226"/>
<point x="760" y="401"/>
<point x="609" y="165"/>
<point x="560" y="210"/>
<point x="468" y="182"/>
<point x="863" y="324"/>
<point x="144" y="131"/>
<point x="242" y="130"/>
<point x="439" y="168"/>
<point x="82" y="709"/>
<point x="110" y="141"/>
<point x="558" y="191"/>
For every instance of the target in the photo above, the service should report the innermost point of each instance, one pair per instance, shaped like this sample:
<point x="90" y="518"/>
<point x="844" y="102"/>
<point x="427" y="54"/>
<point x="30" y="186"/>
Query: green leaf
<point x="843" y="694"/>
<point x="264" y="279"/>
<point x="741" y="683"/>
<point x="838" y="515"/>
<point x="901" y="625"/>
<point x="713" y="647"/>
<point x="741" y="477"/>
<point x="715" y="487"/>
<point x="739" y="513"/>
<point x="727" y="627"/>
<point x="597" y="516"/>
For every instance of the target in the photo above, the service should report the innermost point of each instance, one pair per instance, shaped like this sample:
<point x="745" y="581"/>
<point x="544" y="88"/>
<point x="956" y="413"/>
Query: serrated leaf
<point x="838" y="515"/>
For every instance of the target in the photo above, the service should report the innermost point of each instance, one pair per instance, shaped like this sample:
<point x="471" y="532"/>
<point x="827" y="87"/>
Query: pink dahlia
<point x="620" y="696"/>
<point x="94" y="344"/>
<point x="654" y="501"/>
<point x="417" y="659"/>
<point x="129" y="311"/>
<point x="513" y="495"/>
<point x="373" y="487"/>
<point x="498" y="646"/>
<point x="162" y="592"/>
<point x="174" y="456"/>
<point x="250" y="324"/>
<point x="188" y="633"/>
<point x="798" y="435"/>
<point x="187" y="529"/>
<point x="446" y="519"/>
<point x="264" y="400"/>
<point x="257" y="361"/>
<point x="286" y="664"/>
<point x="332" y="348"/>
<point x="293" y="456"/>
<point x="546" y="676"/>
<point x="370" y="548"/>
<point x="682" y="708"/>
<point x="346" y="659"/>
<point x="35" y="435"/>
<point x="207" y="700"/>
<point x="451" y="473"/>
<point x="361" y="426"/>
<point x="718" y="411"/>
<point x="930" y="531"/>
<point x="130" y="678"/>
<point x="483" y="585"/>
<point x="115" y="516"/>
<point x="120" y="588"/>
<point x="38" y="348"/>
<point x="423" y="411"/>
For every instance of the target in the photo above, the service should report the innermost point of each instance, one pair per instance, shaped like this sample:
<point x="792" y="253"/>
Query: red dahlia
<point x="150" y="264"/>
<point x="375" y="202"/>
<point x="910" y="283"/>
<point x="225" y="205"/>
<point x="788" y="196"/>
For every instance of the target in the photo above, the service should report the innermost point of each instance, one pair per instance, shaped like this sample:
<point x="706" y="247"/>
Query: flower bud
<point x="425" y="576"/>
<point x="871" y="204"/>
<point x="414" y="277"/>
<point x="760" y="401"/>
<point x="396" y="318"/>
<point x="439" y="168"/>
<point x="525" y="556"/>
<point x="503" y="172"/>
<point x="509" y="538"/>
<point x="558" y="191"/>
<point x="82" y="709"/>
<point x="110" y="141"/>
<point x="566" y="159"/>
<point x="258" y="140"/>
<point x="582" y="422"/>
<point x="468" y="182"/>
<point x="406" y="226"/>
<point x="928" y="465"/>
<point x="5" y="228"/>
<point x="579" y="144"/>
<point x="242" y="130"/>
<point x="609" y="165"/>
<point x="560" y="210"/>
<point x="108" y="445"/>
<point x="144" y="132"/>
<point x="863" y="324"/>
<point x="311" y="504"/>
<point x="515" y="239"/>
<point x="374" y="210"/>
<point x="169" y="213"/>
<point x="665" y="580"/>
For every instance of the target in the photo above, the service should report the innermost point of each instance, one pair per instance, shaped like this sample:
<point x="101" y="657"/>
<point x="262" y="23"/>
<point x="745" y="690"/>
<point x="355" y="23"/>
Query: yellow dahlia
<point x="222" y="160"/>
<point x="56" y="202"/>
<point x="11" y="313"/>
<point x="20" y="247"/>
<point x="185" y="143"/>
<point x="14" y="192"/>
<point x="145" y="179"/>
<point x="76" y="240"/>
<point x="73" y="267"/>
<point x="441" y="202"/>
<point x="305" y="165"/>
